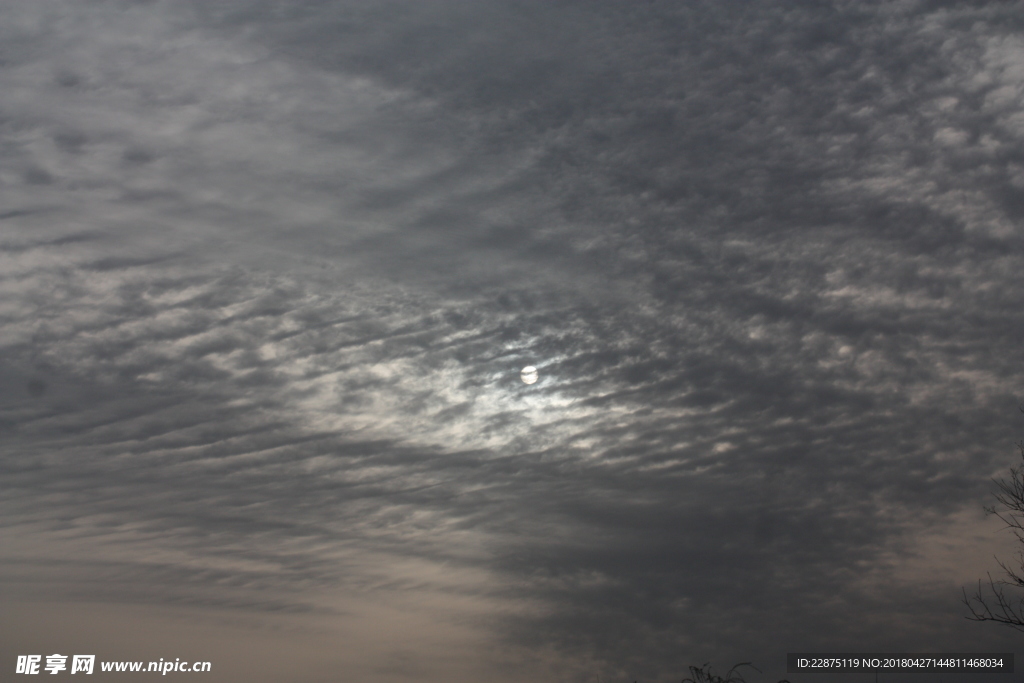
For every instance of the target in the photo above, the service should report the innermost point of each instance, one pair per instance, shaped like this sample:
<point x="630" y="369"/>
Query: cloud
<point x="271" y="270"/>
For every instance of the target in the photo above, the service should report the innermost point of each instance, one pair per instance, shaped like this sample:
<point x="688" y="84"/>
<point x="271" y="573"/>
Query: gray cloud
<point x="270" y="272"/>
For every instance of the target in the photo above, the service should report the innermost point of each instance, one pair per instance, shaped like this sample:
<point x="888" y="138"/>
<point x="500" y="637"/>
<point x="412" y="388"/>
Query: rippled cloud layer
<point x="269" y="272"/>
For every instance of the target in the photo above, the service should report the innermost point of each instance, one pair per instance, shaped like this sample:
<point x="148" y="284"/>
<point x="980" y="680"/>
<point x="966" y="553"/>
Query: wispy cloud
<point x="269" y="272"/>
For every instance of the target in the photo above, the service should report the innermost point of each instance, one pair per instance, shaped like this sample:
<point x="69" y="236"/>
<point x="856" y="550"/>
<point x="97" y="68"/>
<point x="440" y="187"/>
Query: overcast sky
<point x="269" y="270"/>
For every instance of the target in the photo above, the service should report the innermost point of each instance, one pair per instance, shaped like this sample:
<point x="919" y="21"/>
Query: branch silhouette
<point x="704" y="674"/>
<point x="1000" y="607"/>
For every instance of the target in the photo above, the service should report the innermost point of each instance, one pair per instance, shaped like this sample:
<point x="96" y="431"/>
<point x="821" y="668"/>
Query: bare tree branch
<point x="999" y="607"/>
<point x="704" y="674"/>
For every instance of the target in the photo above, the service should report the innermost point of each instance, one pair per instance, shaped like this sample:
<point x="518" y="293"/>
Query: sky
<point x="270" y="269"/>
